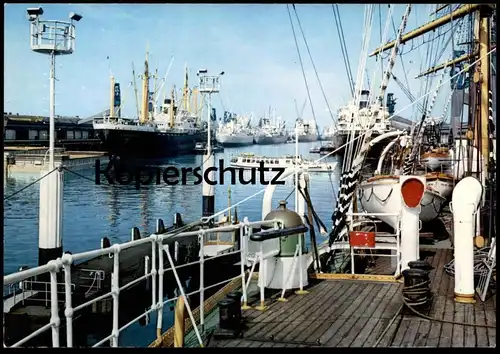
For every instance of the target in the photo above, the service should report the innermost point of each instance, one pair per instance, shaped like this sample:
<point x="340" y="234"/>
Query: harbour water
<point x="94" y="211"/>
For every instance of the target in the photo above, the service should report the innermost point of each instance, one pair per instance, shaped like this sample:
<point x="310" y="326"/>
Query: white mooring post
<point x="50" y="225"/>
<point x="465" y="201"/>
<point x="208" y="86"/>
<point x="412" y="192"/>
<point x="51" y="38"/>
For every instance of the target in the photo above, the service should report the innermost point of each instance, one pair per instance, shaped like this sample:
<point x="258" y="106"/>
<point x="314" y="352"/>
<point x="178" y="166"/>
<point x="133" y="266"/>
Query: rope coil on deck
<point x="479" y="256"/>
<point x="417" y="294"/>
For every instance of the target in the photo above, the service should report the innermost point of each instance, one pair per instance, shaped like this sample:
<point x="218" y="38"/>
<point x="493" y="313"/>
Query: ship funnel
<point x="412" y="192"/>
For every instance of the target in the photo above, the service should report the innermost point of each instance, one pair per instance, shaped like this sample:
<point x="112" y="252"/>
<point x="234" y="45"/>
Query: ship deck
<point x="355" y="313"/>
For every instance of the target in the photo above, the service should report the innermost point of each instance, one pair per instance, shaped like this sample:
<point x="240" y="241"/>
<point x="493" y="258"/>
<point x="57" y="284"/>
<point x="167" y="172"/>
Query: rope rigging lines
<point x="312" y="62"/>
<point x="343" y="48"/>
<point x="301" y="63"/>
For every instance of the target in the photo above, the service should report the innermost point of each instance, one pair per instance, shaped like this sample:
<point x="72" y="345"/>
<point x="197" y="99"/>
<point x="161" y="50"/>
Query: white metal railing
<point x="157" y="250"/>
<point x="391" y="242"/>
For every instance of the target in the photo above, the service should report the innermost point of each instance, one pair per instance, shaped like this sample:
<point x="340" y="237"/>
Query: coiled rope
<point x="479" y="266"/>
<point x="422" y="290"/>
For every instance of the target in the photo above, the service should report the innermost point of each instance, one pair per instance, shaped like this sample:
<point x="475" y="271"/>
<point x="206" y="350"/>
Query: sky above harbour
<point x="253" y="44"/>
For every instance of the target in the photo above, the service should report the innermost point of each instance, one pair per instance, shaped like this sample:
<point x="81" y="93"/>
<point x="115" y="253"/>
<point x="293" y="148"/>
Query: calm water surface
<point x="95" y="211"/>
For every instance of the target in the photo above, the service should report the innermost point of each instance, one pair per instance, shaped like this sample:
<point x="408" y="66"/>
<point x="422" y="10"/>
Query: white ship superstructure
<point x="307" y="130"/>
<point x="236" y="132"/>
<point x="271" y="133"/>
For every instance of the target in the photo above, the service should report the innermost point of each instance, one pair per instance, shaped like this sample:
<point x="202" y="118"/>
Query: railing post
<point x="161" y="271"/>
<point x="154" y="237"/>
<point x="290" y="275"/>
<point x="115" y="289"/>
<point x="183" y="294"/>
<point x="68" y="312"/>
<point x="54" y="304"/>
<point x="262" y="274"/>
<point x="301" y="290"/>
<point x="201" y="240"/>
<point x="243" y="261"/>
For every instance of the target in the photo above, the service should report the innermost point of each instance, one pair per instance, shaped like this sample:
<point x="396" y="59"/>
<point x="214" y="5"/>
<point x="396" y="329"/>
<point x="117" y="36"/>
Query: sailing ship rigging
<point x="378" y="193"/>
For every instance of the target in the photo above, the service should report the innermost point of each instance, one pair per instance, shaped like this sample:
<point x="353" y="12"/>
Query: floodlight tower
<point x="208" y="86"/>
<point x="52" y="38"/>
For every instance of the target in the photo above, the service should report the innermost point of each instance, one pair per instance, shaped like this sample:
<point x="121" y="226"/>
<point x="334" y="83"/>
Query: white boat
<point x="236" y="132"/>
<point x="437" y="159"/>
<point x="440" y="183"/>
<point x="249" y="161"/>
<point x="381" y="194"/>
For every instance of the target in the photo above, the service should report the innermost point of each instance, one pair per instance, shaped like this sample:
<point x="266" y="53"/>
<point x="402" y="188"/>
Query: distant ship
<point x="170" y="132"/>
<point x="270" y="133"/>
<point x="235" y="131"/>
<point x="331" y="135"/>
<point x="307" y="130"/>
<point x="355" y="120"/>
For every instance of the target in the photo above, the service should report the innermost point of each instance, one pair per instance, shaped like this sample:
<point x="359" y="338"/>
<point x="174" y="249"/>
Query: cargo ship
<point x="169" y="132"/>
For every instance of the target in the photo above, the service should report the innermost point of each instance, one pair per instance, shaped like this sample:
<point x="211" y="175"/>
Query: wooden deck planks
<point x="338" y="316"/>
<point x="371" y="319"/>
<point x="347" y="318"/>
<point x="275" y="325"/>
<point x="382" y="322"/>
<point x="348" y="313"/>
<point x="422" y="334"/>
<point x="360" y="325"/>
<point x="490" y="313"/>
<point x="481" y="332"/>
<point x="312" y="329"/>
<point x="458" y="339"/>
<point x="410" y="335"/>
<point x="449" y="312"/>
<point x="324" y="316"/>
<point x="469" y="331"/>
<point x="272" y="316"/>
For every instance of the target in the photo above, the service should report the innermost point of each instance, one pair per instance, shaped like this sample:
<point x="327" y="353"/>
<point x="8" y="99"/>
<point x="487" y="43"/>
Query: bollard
<point x="236" y="297"/>
<point x="227" y="319"/>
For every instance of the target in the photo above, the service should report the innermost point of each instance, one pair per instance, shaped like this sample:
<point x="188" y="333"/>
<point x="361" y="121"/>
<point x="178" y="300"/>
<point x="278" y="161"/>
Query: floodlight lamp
<point x="34" y="12"/>
<point x="221" y="73"/>
<point x="202" y="71"/>
<point x="74" y="16"/>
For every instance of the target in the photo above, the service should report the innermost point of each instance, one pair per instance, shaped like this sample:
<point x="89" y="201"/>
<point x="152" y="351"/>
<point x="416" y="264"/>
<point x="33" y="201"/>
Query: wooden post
<point x="179" y="320"/>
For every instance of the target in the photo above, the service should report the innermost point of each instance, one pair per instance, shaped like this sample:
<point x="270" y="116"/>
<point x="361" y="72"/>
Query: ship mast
<point x="171" y="108"/>
<point x="392" y="59"/>
<point x="185" y="95"/>
<point x="112" y="97"/>
<point x="145" y="91"/>
<point x="135" y="92"/>
<point x="195" y="101"/>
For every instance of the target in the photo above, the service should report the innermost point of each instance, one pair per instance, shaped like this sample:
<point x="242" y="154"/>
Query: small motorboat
<point x="315" y="150"/>
<point x="200" y="148"/>
<point x="327" y="148"/>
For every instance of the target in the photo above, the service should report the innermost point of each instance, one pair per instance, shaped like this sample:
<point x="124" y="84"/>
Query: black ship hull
<point x="141" y="144"/>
